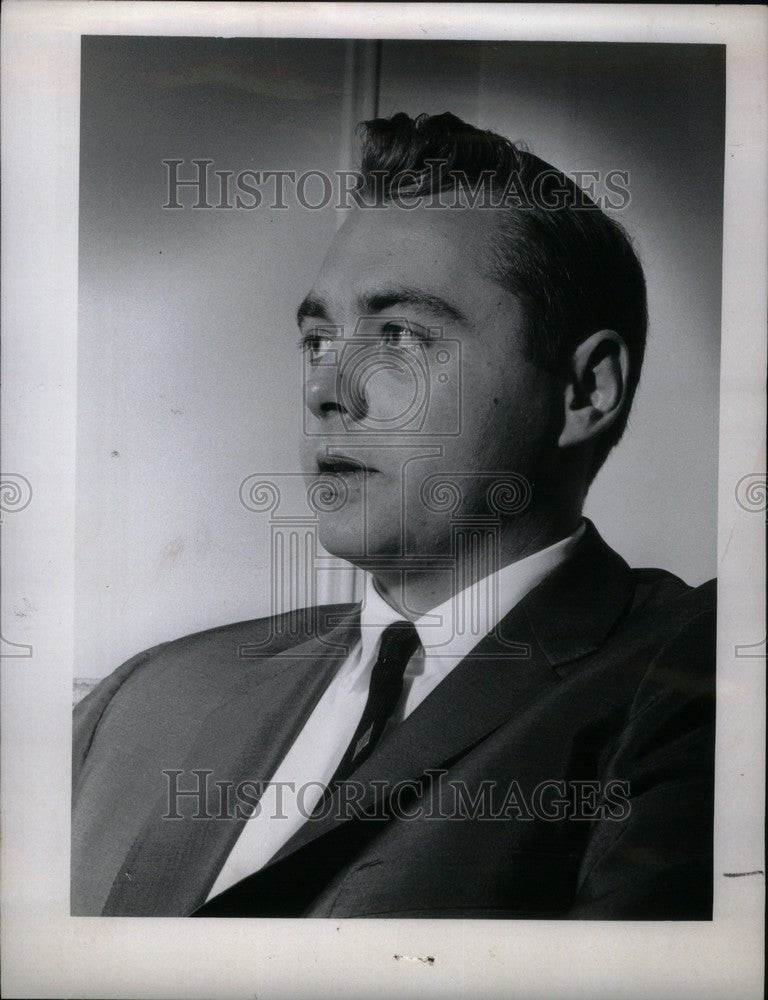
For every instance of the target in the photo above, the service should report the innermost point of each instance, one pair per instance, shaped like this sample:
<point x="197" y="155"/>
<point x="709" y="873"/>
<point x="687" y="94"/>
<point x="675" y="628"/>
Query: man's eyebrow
<point x="313" y="307"/>
<point x="405" y="296"/>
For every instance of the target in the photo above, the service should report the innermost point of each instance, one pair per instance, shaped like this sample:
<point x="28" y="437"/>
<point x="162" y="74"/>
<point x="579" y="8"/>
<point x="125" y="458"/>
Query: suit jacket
<point x="564" y="769"/>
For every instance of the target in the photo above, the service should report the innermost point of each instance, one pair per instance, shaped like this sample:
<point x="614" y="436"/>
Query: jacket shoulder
<point x="667" y="604"/>
<point x="193" y="672"/>
<point x="656" y="586"/>
<point x="253" y="638"/>
<point x="673" y="630"/>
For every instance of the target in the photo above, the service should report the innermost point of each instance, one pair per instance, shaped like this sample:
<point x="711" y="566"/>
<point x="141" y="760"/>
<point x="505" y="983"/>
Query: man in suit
<point x="512" y="723"/>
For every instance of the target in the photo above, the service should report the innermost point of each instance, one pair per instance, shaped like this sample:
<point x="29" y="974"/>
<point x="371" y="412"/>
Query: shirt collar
<point x="457" y="625"/>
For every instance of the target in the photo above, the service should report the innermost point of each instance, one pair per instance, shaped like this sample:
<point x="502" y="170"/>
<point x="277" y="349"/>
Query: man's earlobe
<point x="596" y="389"/>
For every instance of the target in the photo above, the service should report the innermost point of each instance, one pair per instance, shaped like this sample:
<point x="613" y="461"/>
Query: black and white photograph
<point x="417" y="365"/>
<point x="409" y="500"/>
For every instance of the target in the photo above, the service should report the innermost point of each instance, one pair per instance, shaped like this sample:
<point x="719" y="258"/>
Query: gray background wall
<point x="188" y="374"/>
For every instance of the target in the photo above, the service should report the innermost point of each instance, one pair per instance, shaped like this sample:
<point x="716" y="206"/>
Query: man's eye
<point x="314" y="342"/>
<point x="400" y="335"/>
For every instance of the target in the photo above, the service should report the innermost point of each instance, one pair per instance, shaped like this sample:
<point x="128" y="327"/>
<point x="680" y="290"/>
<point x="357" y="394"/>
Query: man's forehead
<point x="382" y="297"/>
<point x="390" y="225"/>
<point x="439" y="253"/>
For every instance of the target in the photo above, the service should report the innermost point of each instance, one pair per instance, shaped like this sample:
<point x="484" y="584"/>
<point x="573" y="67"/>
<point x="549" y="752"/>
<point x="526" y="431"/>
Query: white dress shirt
<point x="447" y="634"/>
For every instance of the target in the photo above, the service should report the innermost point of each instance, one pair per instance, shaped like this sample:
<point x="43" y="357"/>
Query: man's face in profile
<point x="415" y="369"/>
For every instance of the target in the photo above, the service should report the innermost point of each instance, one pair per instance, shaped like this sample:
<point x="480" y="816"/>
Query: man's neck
<point x="416" y="592"/>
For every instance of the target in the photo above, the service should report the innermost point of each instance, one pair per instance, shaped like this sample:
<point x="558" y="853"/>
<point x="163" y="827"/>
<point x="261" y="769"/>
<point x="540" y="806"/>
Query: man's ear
<point x="596" y="387"/>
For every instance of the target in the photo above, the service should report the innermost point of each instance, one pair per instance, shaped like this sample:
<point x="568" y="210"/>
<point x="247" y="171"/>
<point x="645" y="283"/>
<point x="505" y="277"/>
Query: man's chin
<point x="341" y="535"/>
<point x="348" y="537"/>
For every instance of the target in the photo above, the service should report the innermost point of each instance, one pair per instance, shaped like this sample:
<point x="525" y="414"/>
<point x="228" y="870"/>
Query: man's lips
<point x="337" y="464"/>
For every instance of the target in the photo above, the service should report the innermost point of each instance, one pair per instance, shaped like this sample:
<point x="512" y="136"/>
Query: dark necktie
<point x="398" y="644"/>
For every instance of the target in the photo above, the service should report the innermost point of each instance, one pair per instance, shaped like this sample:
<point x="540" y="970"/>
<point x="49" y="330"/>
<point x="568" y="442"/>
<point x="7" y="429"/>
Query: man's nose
<point x="321" y="392"/>
<point x="323" y="387"/>
<point x="336" y="381"/>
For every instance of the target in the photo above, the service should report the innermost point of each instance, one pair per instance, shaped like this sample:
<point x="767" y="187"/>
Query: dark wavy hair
<point x="572" y="267"/>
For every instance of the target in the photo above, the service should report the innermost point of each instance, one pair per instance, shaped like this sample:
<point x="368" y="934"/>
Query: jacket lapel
<point x="484" y="691"/>
<point x="574" y="609"/>
<point x="563" y="619"/>
<point x="173" y="862"/>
